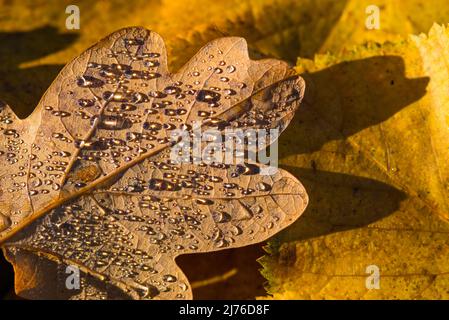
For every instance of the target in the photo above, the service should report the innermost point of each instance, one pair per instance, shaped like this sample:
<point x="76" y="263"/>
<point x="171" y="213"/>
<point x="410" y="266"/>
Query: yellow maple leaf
<point x="371" y="147"/>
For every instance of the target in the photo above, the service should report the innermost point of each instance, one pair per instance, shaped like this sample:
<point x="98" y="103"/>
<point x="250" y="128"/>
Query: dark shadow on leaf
<point x="348" y="97"/>
<point x="20" y="87"/>
<point x="340" y="101"/>
<point x="340" y="202"/>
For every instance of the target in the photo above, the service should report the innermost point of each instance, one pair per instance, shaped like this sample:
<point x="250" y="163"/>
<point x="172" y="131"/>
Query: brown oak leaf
<point x="87" y="181"/>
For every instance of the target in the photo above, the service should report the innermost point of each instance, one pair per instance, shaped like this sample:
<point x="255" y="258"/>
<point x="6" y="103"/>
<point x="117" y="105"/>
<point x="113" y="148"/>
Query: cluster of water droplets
<point x="133" y="229"/>
<point x="119" y="111"/>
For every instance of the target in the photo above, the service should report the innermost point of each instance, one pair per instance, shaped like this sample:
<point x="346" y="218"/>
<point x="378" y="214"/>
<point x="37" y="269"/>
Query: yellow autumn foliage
<point x="372" y="149"/>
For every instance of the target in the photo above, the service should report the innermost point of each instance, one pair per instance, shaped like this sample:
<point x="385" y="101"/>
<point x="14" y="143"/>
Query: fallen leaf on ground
<point x="88" y="181"/>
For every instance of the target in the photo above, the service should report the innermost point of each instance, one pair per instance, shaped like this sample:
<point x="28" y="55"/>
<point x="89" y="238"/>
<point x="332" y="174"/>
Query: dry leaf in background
<point x="377" y="153"/>
<point x="87" y="179"/>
